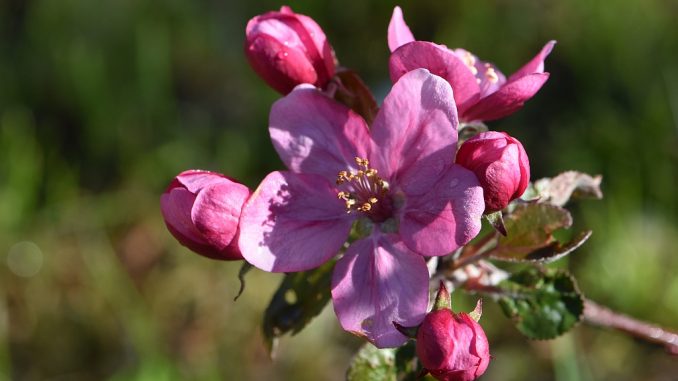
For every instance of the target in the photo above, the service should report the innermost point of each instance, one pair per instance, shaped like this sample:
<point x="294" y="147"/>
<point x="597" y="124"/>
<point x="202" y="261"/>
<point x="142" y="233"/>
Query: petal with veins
<point x="293" y="222"/>
<point x="314" y="134"/>
<point x="379" y="281"/>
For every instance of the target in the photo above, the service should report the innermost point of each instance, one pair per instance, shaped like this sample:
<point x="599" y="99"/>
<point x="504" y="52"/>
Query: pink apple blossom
<point x="202" y="209"/>
<point x="397" y="180"/>
<point x="481" y="91"/>
<point x="452" y="346"/>
<point x="501" y="165"/>
<point x="287" y="49"/>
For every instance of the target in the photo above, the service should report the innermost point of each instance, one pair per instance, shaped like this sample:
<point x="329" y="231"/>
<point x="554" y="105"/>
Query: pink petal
<point x="195" y="179"/>
<point x="398" y="32"/>
<point x="415" y="132"/>
<point x="502" y="178"/>
<point x="292" y="222"/>
<point x="279" y="65"/>
<point x="439" y="61"/>
<point x="176" y="208"/>
<point x="276" y="28"/>
<point x="314" y="134"/>
<point x="446" y="217"/>
<point x="379" y="281"/>
<point x="536" y="64"/>
<point x="506" y="100"/>
<point x="216" y="212"/>
<point x="320" y="42"/>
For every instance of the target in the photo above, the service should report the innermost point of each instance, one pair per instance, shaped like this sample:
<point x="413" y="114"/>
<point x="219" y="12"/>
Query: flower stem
<point x="476" y="252"/>
<point x="598" y="315"/>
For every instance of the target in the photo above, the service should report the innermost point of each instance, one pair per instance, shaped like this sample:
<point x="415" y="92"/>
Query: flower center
<point x="365" y="192"/>
<point x="486" y="74"/>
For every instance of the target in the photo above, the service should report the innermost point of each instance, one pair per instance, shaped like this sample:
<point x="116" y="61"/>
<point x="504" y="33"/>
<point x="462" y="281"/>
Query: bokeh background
<point x="103" y="102"/>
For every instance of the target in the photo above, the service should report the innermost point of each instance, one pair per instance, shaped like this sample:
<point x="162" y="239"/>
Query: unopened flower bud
<point x="287" y="49"/>
<point x="452" y="347"/>
<point x="501" y="165"/>
<point x="202" y="210"/>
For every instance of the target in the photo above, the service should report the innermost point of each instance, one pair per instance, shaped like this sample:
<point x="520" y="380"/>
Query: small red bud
<point x="501" y="165"/>
<point x="452" y="347"/>
<point x="202" y="211"/>
<point x="287" y="49"/>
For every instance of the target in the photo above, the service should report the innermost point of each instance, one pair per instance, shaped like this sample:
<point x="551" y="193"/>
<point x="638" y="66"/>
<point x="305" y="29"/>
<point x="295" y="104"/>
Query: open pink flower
<point x="481" y="91"/>
<point x="398" y="179"/>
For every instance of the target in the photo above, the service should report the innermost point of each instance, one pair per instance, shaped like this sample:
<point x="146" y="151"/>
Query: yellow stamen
<point x="365" y="187"/>
<point x="491" y="75"/>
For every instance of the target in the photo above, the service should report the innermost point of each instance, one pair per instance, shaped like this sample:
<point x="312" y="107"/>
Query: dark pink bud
<point x="452" y="347"/>
<point x="287" y="49"/>
<point x="202" y="210"/>
<point x="501" y="165"/>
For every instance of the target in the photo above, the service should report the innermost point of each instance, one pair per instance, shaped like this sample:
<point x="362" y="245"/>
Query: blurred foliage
<point x="103" y="102"/>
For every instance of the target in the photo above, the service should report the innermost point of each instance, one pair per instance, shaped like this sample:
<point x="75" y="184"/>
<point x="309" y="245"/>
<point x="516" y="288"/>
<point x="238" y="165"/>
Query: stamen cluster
<point x="366" y="187"/>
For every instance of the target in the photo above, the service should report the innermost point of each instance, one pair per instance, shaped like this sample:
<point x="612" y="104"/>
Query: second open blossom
<point x="481" y="91"/>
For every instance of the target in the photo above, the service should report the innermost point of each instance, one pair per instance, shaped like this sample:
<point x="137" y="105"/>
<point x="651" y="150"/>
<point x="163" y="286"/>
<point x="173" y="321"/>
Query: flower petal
<point x="264" y="54"/>
<point x="398" y="32"/>
<point x="446" y="217"/>
<point x="292" y="222"/>
<point x="414" y="137"/>
<point x="506" y="100"/>
<point x="216" y="212"/>
<point x="314" y="134"/>
<point x="196" y="179"/>
<point x="325" y="51"/>
<point x="536" y="64"/>
<point x="379" y="281"/>
<point x="439" y="61"/>
<point x="176" y="209"/>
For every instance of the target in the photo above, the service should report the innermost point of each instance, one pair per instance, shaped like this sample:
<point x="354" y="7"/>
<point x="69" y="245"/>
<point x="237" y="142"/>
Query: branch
<point x="476" y="252"/>
<point x="598" y="315"/>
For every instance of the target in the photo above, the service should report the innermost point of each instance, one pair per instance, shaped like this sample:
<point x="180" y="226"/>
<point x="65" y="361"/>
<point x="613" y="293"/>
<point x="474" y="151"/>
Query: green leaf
<point x="373" y="364"/>
<point x="389" y="364"/>
<point x="530" y="227"/>
<point x="568" y="185"/>
<point x="543" y="303"/>
<point x="353" y="93"/>
<point x="300" y="297"/>
<point x="558" y="250"/>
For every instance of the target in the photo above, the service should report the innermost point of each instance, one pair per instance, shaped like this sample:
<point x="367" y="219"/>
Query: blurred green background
<point x="103" y="102"/>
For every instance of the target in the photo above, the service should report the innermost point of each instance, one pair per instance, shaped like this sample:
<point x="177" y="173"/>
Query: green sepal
<point x="495" y="219"/>
<point x="478" y="311"/>
<point x="443" y="299"/>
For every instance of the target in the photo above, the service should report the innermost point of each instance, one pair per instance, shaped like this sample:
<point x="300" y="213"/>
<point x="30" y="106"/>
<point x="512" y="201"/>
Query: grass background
<point x="103" y="102"/>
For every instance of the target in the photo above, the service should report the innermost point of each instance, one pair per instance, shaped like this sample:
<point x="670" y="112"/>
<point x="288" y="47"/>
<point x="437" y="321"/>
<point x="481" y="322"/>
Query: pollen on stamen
<point x="365" y="207"/>
<point x="363" y="187"/>
<point x="470" y="62"/>
<point x="491" y="75"/>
